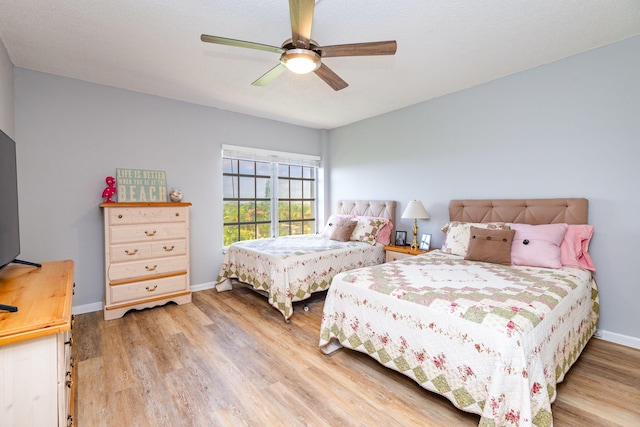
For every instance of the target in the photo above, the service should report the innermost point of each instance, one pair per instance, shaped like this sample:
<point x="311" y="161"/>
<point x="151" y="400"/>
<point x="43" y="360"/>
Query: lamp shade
<point x="415" y="210"/>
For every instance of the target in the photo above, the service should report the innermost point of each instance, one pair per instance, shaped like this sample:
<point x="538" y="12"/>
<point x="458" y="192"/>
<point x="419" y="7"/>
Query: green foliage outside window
<point x="248" y="199"/>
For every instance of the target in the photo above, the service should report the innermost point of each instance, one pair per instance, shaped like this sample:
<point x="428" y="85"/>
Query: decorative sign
<point x="138" y="185"/>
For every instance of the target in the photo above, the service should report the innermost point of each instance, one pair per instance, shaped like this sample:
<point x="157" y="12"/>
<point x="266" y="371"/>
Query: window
<point x="267" y="194"/>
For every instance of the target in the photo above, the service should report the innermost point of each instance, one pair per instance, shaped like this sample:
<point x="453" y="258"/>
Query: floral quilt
<point x="291" y="268"/>
<point x="494" y="339"/>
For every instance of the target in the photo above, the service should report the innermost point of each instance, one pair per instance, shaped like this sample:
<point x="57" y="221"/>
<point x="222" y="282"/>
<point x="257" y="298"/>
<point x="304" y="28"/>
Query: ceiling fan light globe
<point x="300" y="61"/>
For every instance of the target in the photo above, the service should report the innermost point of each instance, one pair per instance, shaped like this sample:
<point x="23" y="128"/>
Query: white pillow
<point x="458" y="235"/>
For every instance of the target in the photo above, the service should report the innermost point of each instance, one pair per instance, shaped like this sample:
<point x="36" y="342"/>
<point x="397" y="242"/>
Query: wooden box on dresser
<point x="146" y="256"/>
<point x="36" y="365"/>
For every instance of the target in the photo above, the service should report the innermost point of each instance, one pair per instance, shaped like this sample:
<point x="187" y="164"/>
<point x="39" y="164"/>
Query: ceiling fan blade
<point x="330" y="78"/>
<point x="267" y="77"/>
<point x="239" y="43"/>
<point x="359" y="49"/>
<point x="301" y="12"/>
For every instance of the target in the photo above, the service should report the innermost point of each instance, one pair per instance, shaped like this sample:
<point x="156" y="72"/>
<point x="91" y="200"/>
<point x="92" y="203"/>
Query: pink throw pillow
<point x="384" y="236"/>
<point x="574" y="249"/>
<point x="537" y="245"/>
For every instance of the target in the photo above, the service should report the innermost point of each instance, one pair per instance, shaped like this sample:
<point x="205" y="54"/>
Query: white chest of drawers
<point x="146" y="256"/>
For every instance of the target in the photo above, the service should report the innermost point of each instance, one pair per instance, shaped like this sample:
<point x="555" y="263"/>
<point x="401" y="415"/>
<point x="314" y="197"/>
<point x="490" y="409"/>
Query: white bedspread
<point x="493" y="339"/>
<point x="291" y="268"/>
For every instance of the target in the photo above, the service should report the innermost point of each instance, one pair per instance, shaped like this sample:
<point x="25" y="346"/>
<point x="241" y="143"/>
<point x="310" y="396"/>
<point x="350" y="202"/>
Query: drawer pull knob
<point x="128" y="252"/>
<point x="177" y="213"/>
<point x="150" y="233"/>
<point x="120" y="216"/>
<point x="168" y="249"/>
<point x="151" y="268"/>
<point x="151" y="289"/>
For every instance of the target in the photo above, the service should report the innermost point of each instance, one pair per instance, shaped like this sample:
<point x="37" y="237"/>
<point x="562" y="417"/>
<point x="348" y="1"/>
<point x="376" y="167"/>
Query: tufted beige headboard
<point x="380" y="208"/>
<point x="524" y="211"/>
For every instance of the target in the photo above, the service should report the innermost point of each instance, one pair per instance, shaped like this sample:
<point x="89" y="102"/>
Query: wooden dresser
<point x="36" y="365"/>
<point x="146" y="256"/>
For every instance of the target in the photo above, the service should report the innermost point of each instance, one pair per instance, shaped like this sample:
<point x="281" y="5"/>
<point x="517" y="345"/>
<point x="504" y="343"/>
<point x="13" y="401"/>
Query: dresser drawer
<point x="146" y="268"/>
<point x="145" y="250"/>
<point x="147" y="289"/>
<point x="147" y="215"/>
<point x="147" y="232"/>
<point x="130" y="252"/>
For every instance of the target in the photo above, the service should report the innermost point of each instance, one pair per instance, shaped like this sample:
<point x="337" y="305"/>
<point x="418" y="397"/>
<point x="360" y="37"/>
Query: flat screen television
<point x="9" y="218"/>
<point x="9" y="221"/>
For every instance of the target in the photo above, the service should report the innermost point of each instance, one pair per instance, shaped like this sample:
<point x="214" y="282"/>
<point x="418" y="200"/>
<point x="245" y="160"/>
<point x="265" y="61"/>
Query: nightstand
<point x="394" y="252"/>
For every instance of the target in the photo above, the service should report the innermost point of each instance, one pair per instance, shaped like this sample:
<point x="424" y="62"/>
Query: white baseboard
<point x="601" y="334"/>
<point x="87" y="308"/>
<point x="203" y="286"/>
<point x="618" y="338"/>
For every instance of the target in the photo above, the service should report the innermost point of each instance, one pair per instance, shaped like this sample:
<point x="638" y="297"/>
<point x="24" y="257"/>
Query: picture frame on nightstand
<point x="425" y="242"/>
<point x="401" y="238"/>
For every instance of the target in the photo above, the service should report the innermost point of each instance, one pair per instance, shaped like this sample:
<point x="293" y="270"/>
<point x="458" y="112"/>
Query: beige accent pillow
<point x="367" y="229"/>
<point x="488" y="245"/>
<point x="331" y="223"/>
<point x="343" y="229"/>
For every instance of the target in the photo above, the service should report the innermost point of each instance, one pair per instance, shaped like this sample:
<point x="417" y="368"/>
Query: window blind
<point x="258" y="154"/>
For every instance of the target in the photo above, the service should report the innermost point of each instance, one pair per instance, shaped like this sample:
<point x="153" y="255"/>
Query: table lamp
<point x="415" y="210"/>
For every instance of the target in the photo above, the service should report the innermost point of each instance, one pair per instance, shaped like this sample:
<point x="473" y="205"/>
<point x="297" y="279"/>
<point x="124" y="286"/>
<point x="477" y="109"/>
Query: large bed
<point x="290" y="268"/>
<point x="495" y="339"/>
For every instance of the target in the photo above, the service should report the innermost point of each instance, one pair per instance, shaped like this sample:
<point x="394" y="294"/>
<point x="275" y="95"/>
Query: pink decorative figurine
<point x="110" y="191"/>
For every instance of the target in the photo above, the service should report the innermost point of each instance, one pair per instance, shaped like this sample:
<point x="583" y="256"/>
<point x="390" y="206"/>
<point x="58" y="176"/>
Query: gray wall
<point x="567" y="129"/>
<point x="72" y="134"/>
<point x="6" y="93"/>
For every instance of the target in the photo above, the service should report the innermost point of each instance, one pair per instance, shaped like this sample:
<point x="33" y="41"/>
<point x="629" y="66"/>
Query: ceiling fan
<point x="300" y="54"/>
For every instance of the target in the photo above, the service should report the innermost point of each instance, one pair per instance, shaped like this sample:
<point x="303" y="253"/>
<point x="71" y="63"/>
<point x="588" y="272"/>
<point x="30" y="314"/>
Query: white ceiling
<point x="154" y="47"/>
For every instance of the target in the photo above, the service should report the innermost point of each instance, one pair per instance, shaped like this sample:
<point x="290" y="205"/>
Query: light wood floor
<point x="229" y="359"/>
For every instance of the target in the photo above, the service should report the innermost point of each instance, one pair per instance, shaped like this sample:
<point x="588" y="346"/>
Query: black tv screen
<point x="9" y="225"/>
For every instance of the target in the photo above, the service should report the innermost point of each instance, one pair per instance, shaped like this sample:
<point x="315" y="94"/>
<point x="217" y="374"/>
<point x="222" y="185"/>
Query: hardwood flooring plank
<point x="90" y="345"/>
<point x="94" y="392"/>
<point x="158" y="344"/>
<point x="120" y="375"/>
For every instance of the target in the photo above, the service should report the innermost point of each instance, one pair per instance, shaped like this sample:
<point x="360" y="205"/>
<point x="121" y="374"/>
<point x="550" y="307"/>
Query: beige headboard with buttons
<point x="524" y="211"/>
<point x="379" y="208"/>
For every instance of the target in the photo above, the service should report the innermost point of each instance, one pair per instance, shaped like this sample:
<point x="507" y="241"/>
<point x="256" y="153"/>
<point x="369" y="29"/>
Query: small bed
<point x="290" y="268"/>
<point x="493" y="338"/>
